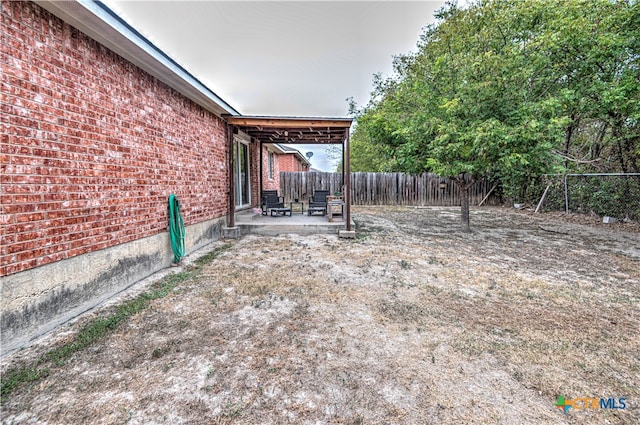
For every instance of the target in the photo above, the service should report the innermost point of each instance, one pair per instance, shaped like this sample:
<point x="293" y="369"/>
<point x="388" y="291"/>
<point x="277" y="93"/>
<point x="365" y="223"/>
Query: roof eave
<point x="303" y="159"/>
<point x="275" y="147"/>
<point x="101" y="24"/>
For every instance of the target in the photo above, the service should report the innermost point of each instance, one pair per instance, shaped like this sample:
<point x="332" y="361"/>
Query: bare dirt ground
<point x="412" y="322"/>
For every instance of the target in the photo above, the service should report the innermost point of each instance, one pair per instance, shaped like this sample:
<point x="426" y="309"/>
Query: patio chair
<point x="270" y="199"/>
<point x="271" y="192"/>
<point x="318" y="202"/>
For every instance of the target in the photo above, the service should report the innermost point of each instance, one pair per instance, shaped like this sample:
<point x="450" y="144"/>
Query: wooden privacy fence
<point x="385" y="188"/>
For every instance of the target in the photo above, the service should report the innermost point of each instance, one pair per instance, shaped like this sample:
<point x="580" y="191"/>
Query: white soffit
<point x="93" y="20"/>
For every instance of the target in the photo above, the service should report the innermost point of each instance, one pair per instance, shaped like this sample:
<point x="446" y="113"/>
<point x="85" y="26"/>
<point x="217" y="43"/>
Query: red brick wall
<point x="290" y="162"/>
<point x="92" y="146"/>
<point x="267" y="183"/>
<point x="254" y="163"/>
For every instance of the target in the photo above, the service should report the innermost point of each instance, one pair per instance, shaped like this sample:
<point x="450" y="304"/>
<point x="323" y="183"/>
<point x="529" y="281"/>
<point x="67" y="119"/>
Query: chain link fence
<point x="613" y="195"/>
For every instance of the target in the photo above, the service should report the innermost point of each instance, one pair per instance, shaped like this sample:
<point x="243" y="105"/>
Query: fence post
<point x="566" y="196"/>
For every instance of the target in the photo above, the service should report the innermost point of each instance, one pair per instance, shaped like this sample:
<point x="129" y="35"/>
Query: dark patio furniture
<point x="270" y="199"/>
<point x="313" y="210"/>
<point x="270" y="193"/>
<point x="280" y="211"/>
<point x="319" y="199"/>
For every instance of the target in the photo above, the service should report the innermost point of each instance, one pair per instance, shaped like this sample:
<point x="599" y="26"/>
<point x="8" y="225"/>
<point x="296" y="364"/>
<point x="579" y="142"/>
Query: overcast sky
<point x="292" y="58"/>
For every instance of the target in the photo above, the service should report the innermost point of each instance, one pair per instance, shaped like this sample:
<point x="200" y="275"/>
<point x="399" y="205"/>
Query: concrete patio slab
<point x="302" y="224"/>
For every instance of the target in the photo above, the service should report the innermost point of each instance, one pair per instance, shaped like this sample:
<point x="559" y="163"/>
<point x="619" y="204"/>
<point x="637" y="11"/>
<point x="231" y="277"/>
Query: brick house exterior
<point x="99" y="127"/>
<point x="92" y="145"/>
<point x="89" y="167"/>
<point x="271" y="167"/>
<point x="293" y="160"/>
<point x="277" y="158"/>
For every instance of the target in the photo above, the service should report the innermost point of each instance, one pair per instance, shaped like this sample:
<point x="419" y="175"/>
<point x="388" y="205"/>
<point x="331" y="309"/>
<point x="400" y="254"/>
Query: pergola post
<point x="343" y="165"/>
<point x="261" y="172"/>
<point x="347" y="173"/>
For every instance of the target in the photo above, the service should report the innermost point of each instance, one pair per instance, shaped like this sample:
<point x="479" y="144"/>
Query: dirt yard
<point x="412" y="322"/>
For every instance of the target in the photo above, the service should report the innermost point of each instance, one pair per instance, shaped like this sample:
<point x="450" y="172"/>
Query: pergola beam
<point x="288" y="122"/>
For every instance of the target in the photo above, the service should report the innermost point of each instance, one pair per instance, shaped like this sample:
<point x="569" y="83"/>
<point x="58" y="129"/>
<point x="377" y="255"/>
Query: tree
<point x="594" y="46"/>
<point x="364" y="156"/>
<point x="498" y="89"/>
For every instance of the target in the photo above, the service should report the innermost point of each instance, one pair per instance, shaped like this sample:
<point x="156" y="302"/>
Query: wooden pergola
<point x="292" y="130"/>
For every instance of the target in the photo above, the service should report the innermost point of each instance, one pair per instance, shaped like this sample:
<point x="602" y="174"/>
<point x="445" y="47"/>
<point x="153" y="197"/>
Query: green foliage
<point x="605" y="196"/>
<point x="210" y="256"/>
<point x="510" y="91"/>
<point x="20" y="375"/>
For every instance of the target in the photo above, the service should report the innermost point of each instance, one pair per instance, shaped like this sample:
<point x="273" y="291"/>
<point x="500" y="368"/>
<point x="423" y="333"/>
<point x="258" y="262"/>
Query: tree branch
<point x="568" y="157"/>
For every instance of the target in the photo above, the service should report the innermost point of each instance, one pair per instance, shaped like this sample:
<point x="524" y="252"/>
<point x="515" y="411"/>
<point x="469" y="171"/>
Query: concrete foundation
<point x="231" y="232"/>
<point x="38" y="300"/>
<point x="347" y="234"/>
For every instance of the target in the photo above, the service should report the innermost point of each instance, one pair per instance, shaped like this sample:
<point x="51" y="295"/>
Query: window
<point x="271" y="159"/>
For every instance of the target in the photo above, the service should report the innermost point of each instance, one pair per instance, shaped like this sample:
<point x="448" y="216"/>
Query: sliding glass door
<point x="241" y="172"/>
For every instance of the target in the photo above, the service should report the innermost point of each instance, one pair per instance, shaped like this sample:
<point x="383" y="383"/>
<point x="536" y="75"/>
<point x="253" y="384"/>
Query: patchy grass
<point x="413" y="323"/>
<point x="99" y="328"/>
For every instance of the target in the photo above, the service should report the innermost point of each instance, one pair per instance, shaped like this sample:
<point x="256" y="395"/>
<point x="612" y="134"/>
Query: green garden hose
<point x="176" y="228"/>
